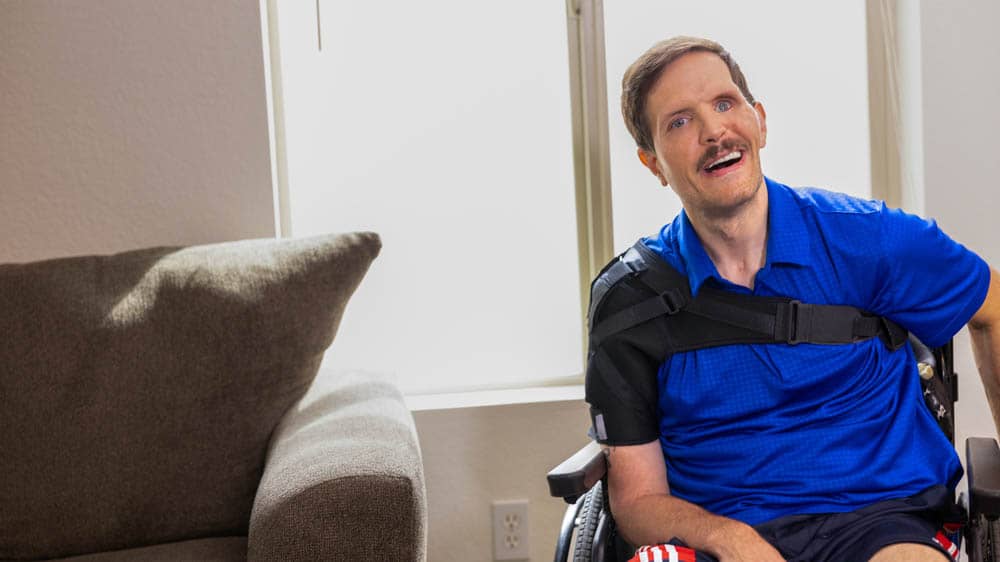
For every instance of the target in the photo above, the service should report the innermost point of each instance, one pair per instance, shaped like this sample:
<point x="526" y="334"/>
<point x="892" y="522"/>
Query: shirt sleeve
<point x="931" y="285"/>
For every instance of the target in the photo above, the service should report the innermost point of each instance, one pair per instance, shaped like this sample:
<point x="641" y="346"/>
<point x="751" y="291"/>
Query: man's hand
<point x="739" y="542"/>
<point x="646" y="513"/>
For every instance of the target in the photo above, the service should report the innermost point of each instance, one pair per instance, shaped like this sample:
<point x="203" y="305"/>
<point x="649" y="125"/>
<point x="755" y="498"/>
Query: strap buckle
<point x="893" y="335"/>
<point x="673" y="301"/>
<point x="794" y="323"/>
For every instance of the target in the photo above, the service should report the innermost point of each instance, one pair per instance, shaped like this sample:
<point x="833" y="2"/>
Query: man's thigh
<point x="899" y="529"/>
<point x="908" y="553"/>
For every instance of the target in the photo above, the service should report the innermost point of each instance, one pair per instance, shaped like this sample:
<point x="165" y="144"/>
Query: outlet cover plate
<point x="510" y="530"/>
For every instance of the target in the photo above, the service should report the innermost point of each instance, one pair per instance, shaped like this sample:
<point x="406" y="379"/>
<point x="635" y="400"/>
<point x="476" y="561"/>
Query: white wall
<point x="126" y="124"/>
<point x="961" y="120"/>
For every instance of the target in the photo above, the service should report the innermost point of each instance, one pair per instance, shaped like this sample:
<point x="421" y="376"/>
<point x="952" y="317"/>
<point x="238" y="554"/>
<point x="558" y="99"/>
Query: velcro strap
<point x="666" y="304"/>
<point x="793" y="322"/>
<point x="761" y="323"/>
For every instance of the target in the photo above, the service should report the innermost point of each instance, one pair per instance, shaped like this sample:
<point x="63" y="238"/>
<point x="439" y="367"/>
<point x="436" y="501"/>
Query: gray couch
<point x="163" y="404"/>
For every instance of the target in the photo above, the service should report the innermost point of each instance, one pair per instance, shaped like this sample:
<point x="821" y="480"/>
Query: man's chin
<point x="728" y="198"/>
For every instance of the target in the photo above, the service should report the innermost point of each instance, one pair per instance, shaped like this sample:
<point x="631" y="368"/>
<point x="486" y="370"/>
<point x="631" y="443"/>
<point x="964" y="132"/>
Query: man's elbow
<point x="625" y="511"/>
<point x="982" y="326"/>
<point x="621" y="508"/>
<point x="987" y="318"/>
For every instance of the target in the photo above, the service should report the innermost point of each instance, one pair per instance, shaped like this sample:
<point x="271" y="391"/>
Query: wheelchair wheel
<point x="586" y="523"/>
<point x="983" y="540"/>
<point x="992" y="538"/>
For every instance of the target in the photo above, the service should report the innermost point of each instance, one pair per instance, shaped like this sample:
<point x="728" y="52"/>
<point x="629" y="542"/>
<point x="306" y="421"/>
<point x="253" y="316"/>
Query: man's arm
<point x="984" y="328"/>
<point x="646" y="513"/>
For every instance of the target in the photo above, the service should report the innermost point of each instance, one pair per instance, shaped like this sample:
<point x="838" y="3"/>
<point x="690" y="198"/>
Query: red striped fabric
<point x="663" y="553"/>
<point x="670" y="553"/>
<point x="946" y="543"/>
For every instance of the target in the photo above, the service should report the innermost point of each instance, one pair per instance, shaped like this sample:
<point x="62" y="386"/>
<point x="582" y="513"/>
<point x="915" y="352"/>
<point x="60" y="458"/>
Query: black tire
<point x="586" y="526"/>
<point x="981" y="540"/>
<point x="990" y="553"/>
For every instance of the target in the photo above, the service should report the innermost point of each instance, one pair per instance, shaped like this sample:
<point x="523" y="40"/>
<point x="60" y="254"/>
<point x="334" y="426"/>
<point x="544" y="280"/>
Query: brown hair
<point x="642" y="75"/>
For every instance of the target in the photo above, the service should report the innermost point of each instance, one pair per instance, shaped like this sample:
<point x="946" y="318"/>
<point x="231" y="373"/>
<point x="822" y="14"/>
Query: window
<point x="445" y="127"/>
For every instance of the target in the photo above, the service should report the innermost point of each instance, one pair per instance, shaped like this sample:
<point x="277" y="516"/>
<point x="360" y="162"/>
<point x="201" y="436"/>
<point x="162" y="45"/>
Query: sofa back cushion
<point x="139" y="390"/>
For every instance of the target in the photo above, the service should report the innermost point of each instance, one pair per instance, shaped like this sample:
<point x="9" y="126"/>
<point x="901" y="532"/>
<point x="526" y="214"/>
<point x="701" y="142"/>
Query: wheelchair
<point x="588" y="528"/>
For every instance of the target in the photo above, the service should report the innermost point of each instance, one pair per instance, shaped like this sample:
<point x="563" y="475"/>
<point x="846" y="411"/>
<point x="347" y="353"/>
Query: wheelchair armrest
<point x="982" y="458"/>
<point x="577" y="474"/>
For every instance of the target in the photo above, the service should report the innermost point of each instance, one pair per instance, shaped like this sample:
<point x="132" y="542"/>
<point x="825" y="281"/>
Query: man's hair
<point x="642" y="75"/>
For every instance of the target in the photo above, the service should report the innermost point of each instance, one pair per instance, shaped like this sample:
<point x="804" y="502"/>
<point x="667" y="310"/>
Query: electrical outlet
<point x="510" y="530"/>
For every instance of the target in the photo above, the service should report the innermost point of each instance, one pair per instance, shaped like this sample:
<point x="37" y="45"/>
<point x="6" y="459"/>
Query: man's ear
<point x="762" y="119"/>
<point x="648" y="160"/>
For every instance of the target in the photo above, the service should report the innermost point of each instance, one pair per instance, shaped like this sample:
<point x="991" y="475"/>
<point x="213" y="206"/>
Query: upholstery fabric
<point x="344" y="478"/>
<point x="140" y="390"/>
<point x="221" y="549"/>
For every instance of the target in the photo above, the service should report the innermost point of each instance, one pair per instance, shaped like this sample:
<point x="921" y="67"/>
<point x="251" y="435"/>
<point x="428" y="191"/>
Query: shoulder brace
<point x="642" y="310"/>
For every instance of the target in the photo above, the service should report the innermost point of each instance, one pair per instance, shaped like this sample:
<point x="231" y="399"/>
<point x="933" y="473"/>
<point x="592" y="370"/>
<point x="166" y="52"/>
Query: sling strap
<point x="716" y="317"/>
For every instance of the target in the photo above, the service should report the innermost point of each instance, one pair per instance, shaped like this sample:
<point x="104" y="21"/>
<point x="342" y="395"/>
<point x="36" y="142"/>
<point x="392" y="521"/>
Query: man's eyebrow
<point x="728" y="94"/>
<point x="667" y="117"/>
<point x="676" y="111"/>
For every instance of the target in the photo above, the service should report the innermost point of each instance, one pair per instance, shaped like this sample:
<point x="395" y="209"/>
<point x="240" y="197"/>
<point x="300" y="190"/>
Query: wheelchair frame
<point x="588" y="528"/>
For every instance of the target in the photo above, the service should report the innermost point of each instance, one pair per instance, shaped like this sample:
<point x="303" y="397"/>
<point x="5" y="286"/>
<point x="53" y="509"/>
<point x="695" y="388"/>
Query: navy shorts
<point x="930" y="518"/>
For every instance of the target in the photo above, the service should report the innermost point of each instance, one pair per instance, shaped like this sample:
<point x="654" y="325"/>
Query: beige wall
<point x="131" y="123"/>
<point x="474" y="456"/>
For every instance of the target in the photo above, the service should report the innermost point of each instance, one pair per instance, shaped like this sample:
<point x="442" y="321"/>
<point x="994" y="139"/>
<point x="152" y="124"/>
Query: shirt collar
<point x="787" y="237"/>
<point x="787" y="232"/>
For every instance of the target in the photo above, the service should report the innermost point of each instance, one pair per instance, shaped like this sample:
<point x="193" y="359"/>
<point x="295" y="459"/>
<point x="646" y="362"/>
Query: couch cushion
<point x="139" y="390"/>
<point x="221" y="549"/>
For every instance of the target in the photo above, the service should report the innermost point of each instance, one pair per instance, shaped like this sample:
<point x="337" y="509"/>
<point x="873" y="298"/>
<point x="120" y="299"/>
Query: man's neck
<point x="736" y="243"/>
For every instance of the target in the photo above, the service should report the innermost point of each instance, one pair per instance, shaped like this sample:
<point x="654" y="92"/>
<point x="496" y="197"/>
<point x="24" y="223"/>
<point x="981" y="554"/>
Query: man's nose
<point x="713" y="129"/>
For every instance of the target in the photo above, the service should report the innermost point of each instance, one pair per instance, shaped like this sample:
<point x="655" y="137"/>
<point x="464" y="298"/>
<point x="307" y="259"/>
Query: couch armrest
<point x="343" y="478"/>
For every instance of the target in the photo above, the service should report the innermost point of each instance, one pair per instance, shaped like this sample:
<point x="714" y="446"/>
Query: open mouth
<point x="719" y="165"/>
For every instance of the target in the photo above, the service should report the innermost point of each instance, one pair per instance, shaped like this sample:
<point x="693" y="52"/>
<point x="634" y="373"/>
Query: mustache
<point x="728" y="145"/>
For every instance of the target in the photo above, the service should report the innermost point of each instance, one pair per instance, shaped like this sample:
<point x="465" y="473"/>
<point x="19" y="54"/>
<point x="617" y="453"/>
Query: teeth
<point x="726" y="158"/>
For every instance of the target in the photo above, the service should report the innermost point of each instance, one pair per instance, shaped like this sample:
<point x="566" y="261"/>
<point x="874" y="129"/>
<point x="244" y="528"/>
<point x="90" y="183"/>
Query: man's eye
<point x="723" y="105"/>
<point x="679" y="122"/>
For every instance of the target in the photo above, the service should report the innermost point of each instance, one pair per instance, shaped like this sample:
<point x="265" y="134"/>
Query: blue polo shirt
<point x="755" y="432"/>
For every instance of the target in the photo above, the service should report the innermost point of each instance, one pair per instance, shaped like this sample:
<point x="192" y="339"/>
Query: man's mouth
<point x="723" y="162"/>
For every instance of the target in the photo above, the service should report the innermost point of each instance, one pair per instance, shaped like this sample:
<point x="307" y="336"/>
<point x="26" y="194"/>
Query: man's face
<point x="706" y="136"/>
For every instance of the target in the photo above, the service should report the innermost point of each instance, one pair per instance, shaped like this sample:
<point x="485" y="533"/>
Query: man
<point x="745" y="450"/>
